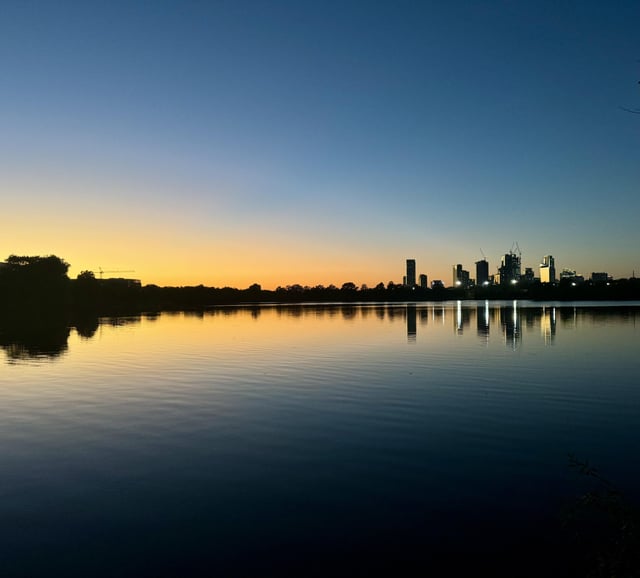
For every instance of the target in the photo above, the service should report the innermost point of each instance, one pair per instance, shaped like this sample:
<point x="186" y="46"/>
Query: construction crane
<point x="482" y="253"/>
<point x="115" y="271"/>
<point x="517" y="248"/>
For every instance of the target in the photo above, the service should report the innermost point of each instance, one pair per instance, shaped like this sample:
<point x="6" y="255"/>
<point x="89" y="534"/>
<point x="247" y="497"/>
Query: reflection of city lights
<point x="459" y="315"/>
<point x="547" y="325"/>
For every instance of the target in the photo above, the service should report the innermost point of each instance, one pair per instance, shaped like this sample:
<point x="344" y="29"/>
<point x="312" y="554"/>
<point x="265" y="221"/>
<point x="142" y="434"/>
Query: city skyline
<point x="236" y="143"/>
<point x="508" y="272"/>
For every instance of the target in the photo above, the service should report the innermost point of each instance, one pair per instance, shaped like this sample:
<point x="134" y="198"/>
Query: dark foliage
<point x="604" y="528"/>
<point x="33" y="283"/>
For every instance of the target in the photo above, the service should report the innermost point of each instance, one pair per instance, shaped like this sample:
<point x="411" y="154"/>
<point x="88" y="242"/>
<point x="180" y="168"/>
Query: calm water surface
<point x="311" y="440"/>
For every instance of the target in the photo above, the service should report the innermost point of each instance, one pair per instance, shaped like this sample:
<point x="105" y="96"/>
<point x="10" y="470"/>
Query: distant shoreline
<point x="40" y="284"/>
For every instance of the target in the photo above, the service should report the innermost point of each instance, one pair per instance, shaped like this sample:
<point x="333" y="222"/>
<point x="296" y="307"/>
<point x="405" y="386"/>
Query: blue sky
<point x="319" y="142"/>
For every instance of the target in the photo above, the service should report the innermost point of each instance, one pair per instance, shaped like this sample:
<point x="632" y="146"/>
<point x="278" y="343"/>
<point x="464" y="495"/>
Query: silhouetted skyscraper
<point x="482" y="272"/>
<point x="528" y="276"/>
<point x="509" y="271"/>
<point x="457" y="271"/>
<point x="411" y="273"/>
<point x="460" y="276"/>
<point x="548" y="269"/>
<point x="423" y="281"/>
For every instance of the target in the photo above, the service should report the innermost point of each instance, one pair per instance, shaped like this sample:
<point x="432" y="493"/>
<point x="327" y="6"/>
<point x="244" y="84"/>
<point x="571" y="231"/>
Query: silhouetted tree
<point x="47" y="267"/>
<point x="34" y="282"/>
<point x="87" y="276"/>
<point x="86" y="291"/>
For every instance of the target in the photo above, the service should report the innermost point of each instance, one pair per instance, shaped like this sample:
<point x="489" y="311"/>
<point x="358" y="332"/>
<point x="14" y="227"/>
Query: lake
<point x="314" y="440"/>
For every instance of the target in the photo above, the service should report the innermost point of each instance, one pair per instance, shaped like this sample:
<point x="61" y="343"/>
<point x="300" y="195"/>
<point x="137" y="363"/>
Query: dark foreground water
<point x="403" y="440"/>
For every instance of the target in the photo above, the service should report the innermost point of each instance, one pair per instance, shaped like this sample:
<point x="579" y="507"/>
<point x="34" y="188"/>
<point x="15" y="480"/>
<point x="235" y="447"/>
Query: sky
<point x="316" y="142"/>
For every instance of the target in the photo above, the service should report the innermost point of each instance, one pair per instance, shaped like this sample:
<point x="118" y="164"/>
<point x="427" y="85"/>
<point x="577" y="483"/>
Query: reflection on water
<point x="483" y="321"/>
<point x="411" y="323"/>
<point x="26" y="337"/>
<point x="32" y="338"/>
<point x="548" y="324"/>
<point x="327" y="440"/>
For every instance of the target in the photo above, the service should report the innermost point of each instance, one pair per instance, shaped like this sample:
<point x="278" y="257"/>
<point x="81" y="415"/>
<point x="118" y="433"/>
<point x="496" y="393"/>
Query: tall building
<point x="457" y="273"/>
<point x="482" y="272"/>
<point x="569" y="275"/>
<point x="509" y="270"/>
<point x="460" y="276"/>
<point x="423" y="281"/>
<point x="548" y="269"/>
<point x="411" y="273"/>
<point x="528" y="276"/>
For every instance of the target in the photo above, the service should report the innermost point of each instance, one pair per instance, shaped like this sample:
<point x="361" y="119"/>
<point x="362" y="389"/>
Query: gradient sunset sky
<point x="319" y="142"/>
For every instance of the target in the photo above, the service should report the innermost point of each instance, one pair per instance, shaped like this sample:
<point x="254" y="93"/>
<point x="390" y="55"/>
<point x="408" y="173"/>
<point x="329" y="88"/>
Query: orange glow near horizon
<point x="171" y="251"/>
<point x="218" y="245"/>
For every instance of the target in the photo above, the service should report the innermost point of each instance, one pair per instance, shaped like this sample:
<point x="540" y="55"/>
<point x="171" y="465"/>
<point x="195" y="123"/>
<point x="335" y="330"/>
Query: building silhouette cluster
<point x="508" y="274"/>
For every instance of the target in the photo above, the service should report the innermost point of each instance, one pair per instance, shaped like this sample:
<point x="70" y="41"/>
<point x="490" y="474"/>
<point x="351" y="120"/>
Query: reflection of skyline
<point x="483" y="321"/>
<point x="512" y="317"/>
<point x="548" y="324"/>
<point x="411" y="323"/>
<point x="511" y="326"/>
<point x="28" y="338"/>
<point x="462" y="318"/>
